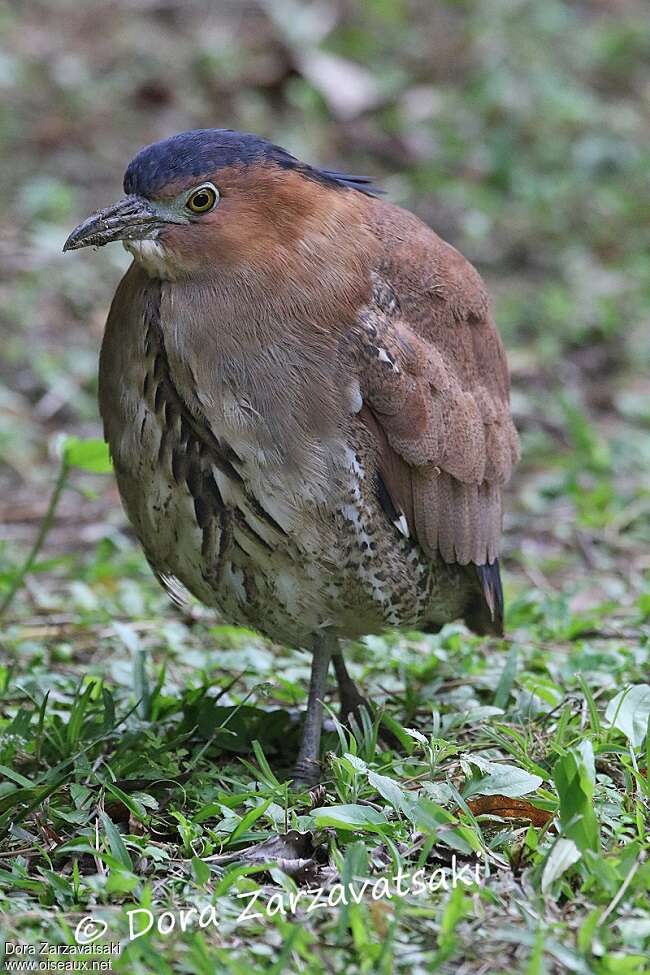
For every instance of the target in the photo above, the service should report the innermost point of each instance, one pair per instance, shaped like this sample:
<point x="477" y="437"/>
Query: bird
<point x="306" y="400"/>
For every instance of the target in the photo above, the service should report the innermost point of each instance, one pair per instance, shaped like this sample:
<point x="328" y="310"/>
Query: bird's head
<point x="219" y="196"/>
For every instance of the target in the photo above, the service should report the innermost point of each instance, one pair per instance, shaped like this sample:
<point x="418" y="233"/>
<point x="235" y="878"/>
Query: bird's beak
<point x="133" y="218"/>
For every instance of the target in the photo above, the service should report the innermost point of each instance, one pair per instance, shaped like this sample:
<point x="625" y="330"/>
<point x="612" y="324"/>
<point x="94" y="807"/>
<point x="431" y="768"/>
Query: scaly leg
<point x="307" y="770"/>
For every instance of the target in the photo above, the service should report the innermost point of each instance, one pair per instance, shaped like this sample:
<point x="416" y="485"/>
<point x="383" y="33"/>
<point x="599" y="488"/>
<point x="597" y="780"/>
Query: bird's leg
<point x="307" y="770"/>
<point x="349" y="695"/>
<point x="353" y="702"/>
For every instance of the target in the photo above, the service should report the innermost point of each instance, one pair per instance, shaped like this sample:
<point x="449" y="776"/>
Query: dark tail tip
<point x="485" y="613"/>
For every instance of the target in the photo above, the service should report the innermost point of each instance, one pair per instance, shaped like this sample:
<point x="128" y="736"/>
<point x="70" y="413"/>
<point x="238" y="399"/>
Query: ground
<point x="142" y="749"/>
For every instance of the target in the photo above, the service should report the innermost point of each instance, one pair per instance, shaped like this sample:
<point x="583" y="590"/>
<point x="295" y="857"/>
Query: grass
<point x="143" y="751"/>
<point x="143" y="755"/>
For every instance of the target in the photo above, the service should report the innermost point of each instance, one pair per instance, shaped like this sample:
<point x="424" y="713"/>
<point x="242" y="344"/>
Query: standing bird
<point x="306" y="402"/>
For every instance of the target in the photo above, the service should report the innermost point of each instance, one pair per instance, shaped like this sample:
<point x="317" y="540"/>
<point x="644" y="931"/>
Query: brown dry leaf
<point x="293" y="852"/>
<point x="507" y="808"/>
<point x="136" y="828"/>
<point x="292" y="846"/>
<point x="117" y="811"/>
<point x="379" y="912"/>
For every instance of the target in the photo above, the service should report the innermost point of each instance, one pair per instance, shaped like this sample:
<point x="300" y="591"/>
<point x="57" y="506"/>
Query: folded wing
<point x="434" y="384"/>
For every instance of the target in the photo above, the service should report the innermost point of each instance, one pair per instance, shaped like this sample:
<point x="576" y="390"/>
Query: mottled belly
<point x="264" y="546"/>
<point x="342" y="567"/>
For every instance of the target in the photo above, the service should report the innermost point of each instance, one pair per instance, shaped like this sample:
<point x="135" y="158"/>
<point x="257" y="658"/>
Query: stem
<point x="46" y="524"/>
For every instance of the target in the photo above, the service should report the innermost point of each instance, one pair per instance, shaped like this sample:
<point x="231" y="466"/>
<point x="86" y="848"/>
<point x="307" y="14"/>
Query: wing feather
<point x="434" y="382"/>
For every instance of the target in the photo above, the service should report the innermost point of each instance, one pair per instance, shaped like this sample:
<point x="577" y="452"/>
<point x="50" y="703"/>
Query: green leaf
<point x="16" y="777"/>
<point x="201" y="871"/>
<point x="388" y="788"/>
<point x="439" y="824"/>
<point x="355" y="865"/>
<point x="90" y="850"/>
<point x="247" y="821"/>
<point x="78" y="714"/>
<point x="535" y="964"/>
<point x="500" y="780"/>
<point x="562" y="856"/>
<point x="349" y="817"/>
<point x="574" y="776"/>
<point x="644" y="605"/>
<point x="116" y="843"/>
<point x="265" y="768"/>
<point x="588" y="930"/>
<point x="454" y="912"/>
<point x="507" y="678"/>
<point x="629" y="711"/>
<point x="87" y="455"/>
<point x="132" y="804"/>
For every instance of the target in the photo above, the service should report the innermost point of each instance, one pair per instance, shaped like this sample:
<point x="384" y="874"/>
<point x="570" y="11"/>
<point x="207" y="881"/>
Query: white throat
<point x="151" y="255"/>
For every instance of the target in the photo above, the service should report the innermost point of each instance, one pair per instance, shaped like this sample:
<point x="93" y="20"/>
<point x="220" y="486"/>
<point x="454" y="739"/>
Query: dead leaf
<point x="293" y="853"/>
<point x="506" y="808"/>
<point x="308" y="872"/>
<point x="292" y="846"/>
<point x="379" y="911"/>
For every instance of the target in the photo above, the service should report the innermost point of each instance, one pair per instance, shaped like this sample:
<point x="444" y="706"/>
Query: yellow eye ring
<point x="203" y="199"/>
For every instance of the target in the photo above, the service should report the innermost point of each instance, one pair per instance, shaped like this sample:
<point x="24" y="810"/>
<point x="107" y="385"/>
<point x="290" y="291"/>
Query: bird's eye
<point x="203" y="199"/>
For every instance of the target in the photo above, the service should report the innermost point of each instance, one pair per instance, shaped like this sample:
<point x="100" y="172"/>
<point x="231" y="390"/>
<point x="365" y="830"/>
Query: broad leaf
<point x="349" y="817"/>
<point x="500" y="779"/>
<point x="563" y="855"/>
<point x="88" y="455"/>
<point x="629" y="711"/>
<point x="573" y="775"/>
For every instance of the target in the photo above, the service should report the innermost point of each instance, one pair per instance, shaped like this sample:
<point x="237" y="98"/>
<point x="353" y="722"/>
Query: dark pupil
<point x="201" y="200"/>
